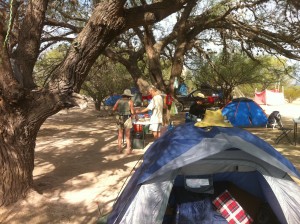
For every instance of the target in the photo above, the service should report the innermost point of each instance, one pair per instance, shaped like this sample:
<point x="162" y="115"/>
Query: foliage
<point x="292" y="93"/>
<point x="188" y="80"/>
<point x="228" y="71"/>
<point x="98" y="84"/>
<point x="106" y="79"/>
<point x="276" y="73"/>
<point x="47" y="62"/>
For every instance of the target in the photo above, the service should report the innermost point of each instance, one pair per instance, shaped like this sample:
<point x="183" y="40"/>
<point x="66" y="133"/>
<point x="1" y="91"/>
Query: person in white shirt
<point x="156" y="106"/>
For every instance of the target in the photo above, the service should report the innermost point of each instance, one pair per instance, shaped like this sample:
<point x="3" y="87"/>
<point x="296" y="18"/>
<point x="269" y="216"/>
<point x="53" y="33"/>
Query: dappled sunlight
<point x="109" y="138"/>
<point x="59" y="143"/>
<point x="269" y="135"/>
<point x="110" y="189"/>
<point x="79" y="174"/>
<point x="38" y="209"/>
<point x="63" y="143"/>
<point x="81" y="193"/>
<point x="44" y="167"/>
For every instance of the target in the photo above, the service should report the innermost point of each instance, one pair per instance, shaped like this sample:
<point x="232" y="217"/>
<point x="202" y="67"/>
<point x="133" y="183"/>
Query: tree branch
<point x="150" y="14"/>
<point x="29" y="40"/>
<point x="52" y="22"/>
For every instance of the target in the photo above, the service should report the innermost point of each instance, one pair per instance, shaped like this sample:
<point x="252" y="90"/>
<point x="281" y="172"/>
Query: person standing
<point x="125" y="109"/>
<point x="156" y="106"/>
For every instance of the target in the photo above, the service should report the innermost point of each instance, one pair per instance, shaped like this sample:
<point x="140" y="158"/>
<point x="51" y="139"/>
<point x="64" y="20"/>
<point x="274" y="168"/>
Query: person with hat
<point x="197" y="109"/>
<point x="124" y="107"/>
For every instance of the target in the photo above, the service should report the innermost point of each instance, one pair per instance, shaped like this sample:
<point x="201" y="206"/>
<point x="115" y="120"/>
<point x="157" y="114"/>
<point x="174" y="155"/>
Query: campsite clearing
<point x="78" y="172"/>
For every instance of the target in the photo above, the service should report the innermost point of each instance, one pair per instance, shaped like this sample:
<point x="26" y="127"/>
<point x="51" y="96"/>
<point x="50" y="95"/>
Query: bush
<point x="292" y="93"/>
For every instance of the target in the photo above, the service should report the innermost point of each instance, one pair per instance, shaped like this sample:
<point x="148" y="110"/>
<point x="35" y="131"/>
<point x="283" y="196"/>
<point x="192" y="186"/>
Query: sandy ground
<point x="78" y="172"/>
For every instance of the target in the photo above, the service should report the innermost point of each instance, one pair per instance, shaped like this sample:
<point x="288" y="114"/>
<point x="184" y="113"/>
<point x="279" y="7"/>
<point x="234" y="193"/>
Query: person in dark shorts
<point x="125" y="109"/>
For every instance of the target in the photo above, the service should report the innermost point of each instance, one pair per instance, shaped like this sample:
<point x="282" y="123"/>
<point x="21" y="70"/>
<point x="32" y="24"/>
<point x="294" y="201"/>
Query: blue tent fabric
<point x="243" y="112"/>
<point x="170" y="152"/>
<point x="197" y="211"/>
<point x="111" y="101"/>
<point x="182" y="90"/>
<point x="251" y="183"/>
<point x="134" y="90"/>
<point x="179" y="140"/>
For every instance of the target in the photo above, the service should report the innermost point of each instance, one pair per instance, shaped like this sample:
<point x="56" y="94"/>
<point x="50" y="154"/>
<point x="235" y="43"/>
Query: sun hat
<point x="127" y="92"/>
<point x="201" y="95"/>
<point x="213" y="118"/>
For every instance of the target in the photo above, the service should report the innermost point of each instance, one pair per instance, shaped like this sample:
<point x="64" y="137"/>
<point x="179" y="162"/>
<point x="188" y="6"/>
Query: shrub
<point x="291" y="93"/>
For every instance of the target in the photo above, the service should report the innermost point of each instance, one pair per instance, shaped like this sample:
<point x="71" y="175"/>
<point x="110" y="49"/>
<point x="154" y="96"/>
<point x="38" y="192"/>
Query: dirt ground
<point x="78" y="172"/>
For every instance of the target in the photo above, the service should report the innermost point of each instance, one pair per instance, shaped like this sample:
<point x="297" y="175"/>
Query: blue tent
<point x="182" y="90"/>
<point x="211" y="157"/>
<point x="243" y="112"/>
<point x="111" y="100"/>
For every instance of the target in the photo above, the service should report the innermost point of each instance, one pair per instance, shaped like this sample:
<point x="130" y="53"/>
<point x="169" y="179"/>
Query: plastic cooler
<point x="137" y="128"/>
<point x="138" y="140"/>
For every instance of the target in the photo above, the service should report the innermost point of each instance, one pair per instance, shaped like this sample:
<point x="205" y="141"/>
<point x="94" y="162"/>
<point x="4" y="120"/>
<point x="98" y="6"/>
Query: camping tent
<point x="225" y="155"/>
<point x="269" y="97"/>
<point x="111" y="100"/>
<point x="243" y="112"/>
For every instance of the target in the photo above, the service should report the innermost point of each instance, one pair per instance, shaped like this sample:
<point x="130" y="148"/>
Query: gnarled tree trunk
<point x="19" y="125"/>
<point x="17" y="157"/>
<point x="23" y="111"/>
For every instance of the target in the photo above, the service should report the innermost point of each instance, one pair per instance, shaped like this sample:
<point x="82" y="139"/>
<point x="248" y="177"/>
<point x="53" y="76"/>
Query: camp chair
<point x="274" y="121"/>
<point x="284" y="133"/>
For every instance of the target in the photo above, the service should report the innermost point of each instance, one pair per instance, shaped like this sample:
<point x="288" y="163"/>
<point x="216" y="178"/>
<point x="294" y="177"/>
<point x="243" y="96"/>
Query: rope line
<point x="9" y="23"/>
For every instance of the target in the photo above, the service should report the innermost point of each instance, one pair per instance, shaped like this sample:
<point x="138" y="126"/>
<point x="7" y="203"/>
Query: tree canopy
<point x="237" y="70"/>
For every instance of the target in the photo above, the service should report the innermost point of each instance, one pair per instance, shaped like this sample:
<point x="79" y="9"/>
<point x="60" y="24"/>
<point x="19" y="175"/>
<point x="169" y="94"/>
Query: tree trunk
<point x="22" y="112"/>
<point x="29" y="41"/>
<point x="16" y="169"/>
<point x="17" y="143"/>
<point x="153" y="56"/>
<point x="226" y="95"/>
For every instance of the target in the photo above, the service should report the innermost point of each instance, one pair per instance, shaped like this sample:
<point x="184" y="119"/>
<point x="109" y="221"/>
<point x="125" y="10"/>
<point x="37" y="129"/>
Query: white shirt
<point x="156" y="105"/>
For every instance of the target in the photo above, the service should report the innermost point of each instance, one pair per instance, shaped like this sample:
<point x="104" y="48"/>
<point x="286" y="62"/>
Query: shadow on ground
<point x="78" y="172"/>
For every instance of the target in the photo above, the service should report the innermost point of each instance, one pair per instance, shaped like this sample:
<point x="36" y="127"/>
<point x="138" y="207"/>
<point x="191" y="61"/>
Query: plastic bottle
<point x="171" y="126"/>
<point x="187" y="115"/>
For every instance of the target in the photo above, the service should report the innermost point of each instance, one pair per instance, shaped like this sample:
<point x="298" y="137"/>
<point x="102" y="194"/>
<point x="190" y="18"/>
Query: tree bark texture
<point x="29" y="40"/>
<point x="17" y="143"/>
<point x="106" y="22"/>
<point x="153" y="55"/>
<point x="23" y="111"/>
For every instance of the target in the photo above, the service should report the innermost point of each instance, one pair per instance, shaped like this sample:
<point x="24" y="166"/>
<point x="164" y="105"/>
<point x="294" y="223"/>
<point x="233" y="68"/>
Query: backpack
<point x="169" y="99"/>
<point x="274" y="120"/>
